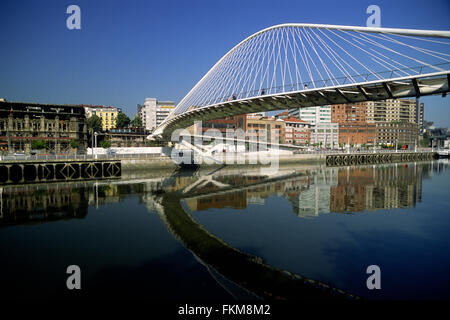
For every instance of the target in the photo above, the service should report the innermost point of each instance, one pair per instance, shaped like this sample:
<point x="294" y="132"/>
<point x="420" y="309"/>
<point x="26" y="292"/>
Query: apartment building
<point x="312" y="115"/>
<point x="107" y="115"/>
<point x="154" y="112"/>
<point x="297" y="132"/>
<point x="265" y="128"/>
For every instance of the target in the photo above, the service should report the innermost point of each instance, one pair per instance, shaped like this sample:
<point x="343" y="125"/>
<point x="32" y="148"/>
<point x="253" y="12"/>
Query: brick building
<point x="231" y="123"/>
<point x="297" y="131"/>
<point x="357" y="133"/>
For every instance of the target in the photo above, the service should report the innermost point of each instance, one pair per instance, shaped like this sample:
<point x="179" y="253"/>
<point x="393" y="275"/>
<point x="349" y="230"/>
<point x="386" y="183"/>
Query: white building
<point x="312" y="115"/>
<point x="325" y="134"/>
<point x="153" y="112"/>
<point x="315" y="199"/>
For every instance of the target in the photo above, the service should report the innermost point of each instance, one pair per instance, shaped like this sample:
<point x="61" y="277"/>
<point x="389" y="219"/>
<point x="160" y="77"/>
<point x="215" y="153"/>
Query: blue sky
<point x="129" y="50"/>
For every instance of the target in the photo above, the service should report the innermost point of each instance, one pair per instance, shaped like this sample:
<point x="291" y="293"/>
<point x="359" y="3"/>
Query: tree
<point x="122" y="120"/>
<point x="94" y="123"/>
<point x="74" y="143"/>
<point x="38" y="144"/>
<point x="425" y="142"/>
<point x="105" y="144"/>
<point x="136" y="122"/>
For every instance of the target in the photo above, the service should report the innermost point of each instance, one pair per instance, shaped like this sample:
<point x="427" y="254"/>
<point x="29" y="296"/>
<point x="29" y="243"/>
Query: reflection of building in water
<point x="103" y="194"/>
<point x="37" y="204"/>
<point x="315" y="198"/>
<point x="251" y="195"/>
<point x="255" y="200"/>
<point x="42" y="203"/>
<point x="148" y="196"/>
<point x="374" y="188"/>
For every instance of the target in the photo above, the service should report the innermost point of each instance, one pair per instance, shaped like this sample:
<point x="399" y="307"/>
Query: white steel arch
<point x="316" y="62"/>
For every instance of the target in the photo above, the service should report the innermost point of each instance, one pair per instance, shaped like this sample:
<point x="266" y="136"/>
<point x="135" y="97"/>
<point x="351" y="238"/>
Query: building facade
<point x="419" y="117"/>
<point x="23" y="124"/>
<point x="228" y="123"/>
<point x="265" y="129"/>
<point x="395" y="133"/>
<point x="313" y="115"/>
<point x="351" y="112"/>
<point x="357" y="133"/>
<point x="391" y="110"/>
<point x="127" y="137"/>
<point x="378" y="122"/>
<point x="353" y="126"/>
<point x="154" y="112"/>
<point x="297" y="132"/>
<point x="107" y="114"/>
<point x="325" y="135"/>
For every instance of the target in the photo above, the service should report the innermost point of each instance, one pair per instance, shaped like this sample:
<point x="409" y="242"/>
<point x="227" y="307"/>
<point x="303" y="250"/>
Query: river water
<point x="231" y="233"/>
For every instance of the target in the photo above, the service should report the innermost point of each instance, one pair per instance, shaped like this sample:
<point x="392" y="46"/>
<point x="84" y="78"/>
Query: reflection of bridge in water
<point x="310" y="191"/>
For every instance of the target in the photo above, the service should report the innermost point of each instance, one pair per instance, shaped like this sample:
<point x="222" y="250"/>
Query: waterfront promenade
<point x="41" y="169"/>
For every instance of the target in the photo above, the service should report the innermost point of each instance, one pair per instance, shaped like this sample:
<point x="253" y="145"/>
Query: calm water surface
<point x="189" y="235"/>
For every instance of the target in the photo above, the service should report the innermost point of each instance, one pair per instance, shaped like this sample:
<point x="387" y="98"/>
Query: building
<point x="419" y="117"/>
<point x="358" y="122"/>
<point x="313" y="115"/>
<point x="127" y="137"/>
<point x="395" y="133"/>
<point x="351" y="112"/>
<point x="325" y="135"/>
<point x="353" y="126"/>
<point x="297" y="132"/>
<point x="154" y="112"/>
<point x="283" y="115"/>
<point x="228" y="123"/>
<point x="23" y="124"/>
<point x="107" y="114"/>
<point x="357" y="133"/>
<point x="265" y="129"/>
<point x="392" y="110"/>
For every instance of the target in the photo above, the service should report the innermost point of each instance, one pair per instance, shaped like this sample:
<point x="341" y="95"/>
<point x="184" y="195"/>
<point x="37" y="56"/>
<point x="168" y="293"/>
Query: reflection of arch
<point x="243" y="269"/>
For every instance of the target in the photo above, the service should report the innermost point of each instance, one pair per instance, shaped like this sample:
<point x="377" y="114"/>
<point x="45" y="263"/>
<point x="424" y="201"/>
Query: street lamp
<point x="96" y="134"/>
<point x="92" y="144"/>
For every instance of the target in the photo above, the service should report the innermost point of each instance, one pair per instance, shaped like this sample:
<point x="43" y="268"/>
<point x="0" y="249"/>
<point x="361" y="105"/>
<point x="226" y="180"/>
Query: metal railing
<point x="80" y="157"/>
<point x="73" y="157"/>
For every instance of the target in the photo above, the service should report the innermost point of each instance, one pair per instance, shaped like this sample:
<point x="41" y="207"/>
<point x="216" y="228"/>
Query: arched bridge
<point x="302" y="65"/>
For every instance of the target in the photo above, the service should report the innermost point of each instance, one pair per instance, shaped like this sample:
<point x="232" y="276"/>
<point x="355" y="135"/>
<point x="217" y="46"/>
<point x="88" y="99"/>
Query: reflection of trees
<point x="43" y="204"/>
